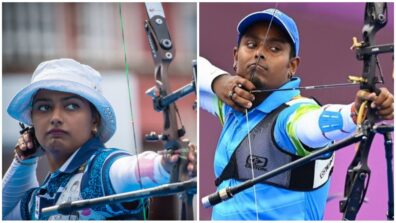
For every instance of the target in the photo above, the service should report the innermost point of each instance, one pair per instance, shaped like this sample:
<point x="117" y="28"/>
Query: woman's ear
<point x="95" y="124"/>
<point x="95" y="120"/>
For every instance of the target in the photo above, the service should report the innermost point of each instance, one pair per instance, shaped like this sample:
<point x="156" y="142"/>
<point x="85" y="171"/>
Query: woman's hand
<point x="170" y="158"/>
<point x="26" y="148"/>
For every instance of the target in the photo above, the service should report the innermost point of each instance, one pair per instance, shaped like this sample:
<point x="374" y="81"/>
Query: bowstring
<point x="251" y="162"/>
<point x="247" y="115"/>
<point x="130" y="106"/>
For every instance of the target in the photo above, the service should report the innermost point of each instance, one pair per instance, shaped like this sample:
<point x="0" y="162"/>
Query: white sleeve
<point x="124" y="172"/>
<point x="319" y="127"/>
<point x="15" y="213"/>
<point x="19" y="178"/>
<point x="206" y="74"/>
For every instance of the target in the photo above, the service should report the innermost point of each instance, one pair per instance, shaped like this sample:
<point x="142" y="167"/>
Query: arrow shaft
<point x="313" y="87"/>
<point x="163" y="190"/>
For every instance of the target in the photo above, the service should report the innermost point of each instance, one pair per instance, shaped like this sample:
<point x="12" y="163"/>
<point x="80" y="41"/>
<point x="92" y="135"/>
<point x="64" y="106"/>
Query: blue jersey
<point x="273" y="203"/>
<point x="86" y="176"/>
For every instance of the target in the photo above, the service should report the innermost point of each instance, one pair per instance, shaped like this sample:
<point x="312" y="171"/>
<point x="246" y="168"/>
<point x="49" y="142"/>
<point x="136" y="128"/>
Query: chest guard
<point x="91" y="180"/>
<point x="267" y="156"/>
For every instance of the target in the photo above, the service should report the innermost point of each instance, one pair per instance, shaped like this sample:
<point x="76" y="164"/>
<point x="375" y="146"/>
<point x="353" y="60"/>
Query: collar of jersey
<point x="81" y="156"/>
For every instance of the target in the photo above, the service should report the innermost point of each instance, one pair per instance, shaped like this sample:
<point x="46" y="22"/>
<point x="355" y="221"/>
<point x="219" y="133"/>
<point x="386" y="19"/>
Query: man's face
<point x="275" y="65"/>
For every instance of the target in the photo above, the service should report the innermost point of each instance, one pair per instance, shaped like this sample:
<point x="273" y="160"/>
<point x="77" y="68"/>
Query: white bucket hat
<point x="66" y="75"/>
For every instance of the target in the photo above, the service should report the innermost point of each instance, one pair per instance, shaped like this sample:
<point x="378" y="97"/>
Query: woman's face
<point x="63" y="122"/>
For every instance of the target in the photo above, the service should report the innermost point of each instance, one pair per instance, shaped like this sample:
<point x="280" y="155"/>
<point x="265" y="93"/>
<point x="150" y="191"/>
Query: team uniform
<point x="284" y="127"/>
<point x="92" y="171"/>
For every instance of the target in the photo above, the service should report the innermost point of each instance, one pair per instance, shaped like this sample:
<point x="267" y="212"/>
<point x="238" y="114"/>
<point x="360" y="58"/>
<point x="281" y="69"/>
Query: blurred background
<point x="326" y="31"/>
<point x="90" y="33"/>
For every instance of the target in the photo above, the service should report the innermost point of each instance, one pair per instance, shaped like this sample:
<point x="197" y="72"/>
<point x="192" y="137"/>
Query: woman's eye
<point x="72" y="106"/>
<point x="43" y="107"/>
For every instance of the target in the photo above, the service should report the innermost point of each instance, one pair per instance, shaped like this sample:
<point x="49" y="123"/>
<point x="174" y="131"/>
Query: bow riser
<point x="163" y="52"/>
<point x="358" y="175"/>
<point x="375" y="18"/>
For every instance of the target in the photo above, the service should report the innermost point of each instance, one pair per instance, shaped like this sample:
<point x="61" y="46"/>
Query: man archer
<point x="283" y="125"/>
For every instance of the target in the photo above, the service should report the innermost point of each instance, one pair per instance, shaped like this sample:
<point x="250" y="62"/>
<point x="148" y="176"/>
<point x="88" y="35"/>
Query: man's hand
<point x="383" y="103"/>
<point x="234" y="91"/>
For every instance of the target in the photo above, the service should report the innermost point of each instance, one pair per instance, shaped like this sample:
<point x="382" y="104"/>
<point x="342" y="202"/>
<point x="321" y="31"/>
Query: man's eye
<point x="72" y="106"/>
<point x="275" y="49"/>
<point x="251" y="44"/>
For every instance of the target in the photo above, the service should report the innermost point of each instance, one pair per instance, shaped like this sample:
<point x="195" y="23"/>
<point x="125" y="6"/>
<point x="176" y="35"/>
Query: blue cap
<point x="279" y="18"/>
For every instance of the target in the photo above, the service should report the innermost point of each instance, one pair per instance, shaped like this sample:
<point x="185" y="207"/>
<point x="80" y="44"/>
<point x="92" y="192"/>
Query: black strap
<point x="298" y="179"/>
<point x="230" y="171"/>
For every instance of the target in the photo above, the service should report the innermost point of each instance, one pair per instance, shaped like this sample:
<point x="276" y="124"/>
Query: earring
<point x="290" y="75"/>
<point x="234" y="67"/>
<point x="95" y="131"/>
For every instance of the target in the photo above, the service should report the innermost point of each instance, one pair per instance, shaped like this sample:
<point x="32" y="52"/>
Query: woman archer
<point x="71" y="121"/>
